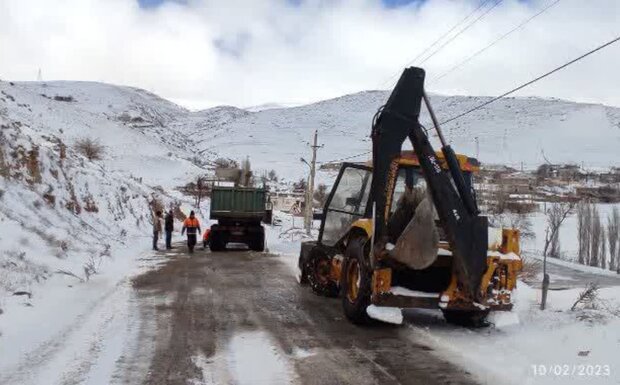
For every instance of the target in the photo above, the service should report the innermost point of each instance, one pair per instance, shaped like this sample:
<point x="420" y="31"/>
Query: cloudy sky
<point x="248" y="52"/>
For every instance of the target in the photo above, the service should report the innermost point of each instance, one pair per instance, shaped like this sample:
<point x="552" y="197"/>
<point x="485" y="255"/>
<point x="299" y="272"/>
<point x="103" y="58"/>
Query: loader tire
<point x="467" y="318"/>
<point x="356" y="282"/>
<point x="318" y="274"/>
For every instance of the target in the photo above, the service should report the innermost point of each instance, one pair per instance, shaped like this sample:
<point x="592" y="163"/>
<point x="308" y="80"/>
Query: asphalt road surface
<point x="239" y="317"/>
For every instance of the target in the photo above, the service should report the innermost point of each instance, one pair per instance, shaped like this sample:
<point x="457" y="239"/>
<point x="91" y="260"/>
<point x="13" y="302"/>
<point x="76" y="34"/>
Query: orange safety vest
<point x="205" y="236"/>
<point x="189" y="222"/>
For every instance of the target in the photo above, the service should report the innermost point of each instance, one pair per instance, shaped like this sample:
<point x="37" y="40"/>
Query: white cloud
<point x="258" y="51"/>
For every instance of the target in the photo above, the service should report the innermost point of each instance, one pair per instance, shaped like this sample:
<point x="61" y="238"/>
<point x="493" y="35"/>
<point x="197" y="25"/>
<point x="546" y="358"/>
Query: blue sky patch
<point x="157" y="3"/>
<point x="399" y="3"/>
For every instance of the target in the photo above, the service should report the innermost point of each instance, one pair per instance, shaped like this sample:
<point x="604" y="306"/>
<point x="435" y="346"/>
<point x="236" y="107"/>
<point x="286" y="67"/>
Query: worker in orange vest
<point x="192" y="226"/>
<point x="205" y="238"/>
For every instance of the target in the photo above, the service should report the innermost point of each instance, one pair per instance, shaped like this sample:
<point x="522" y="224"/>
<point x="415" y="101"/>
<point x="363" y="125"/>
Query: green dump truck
<point x="239" y="212"/>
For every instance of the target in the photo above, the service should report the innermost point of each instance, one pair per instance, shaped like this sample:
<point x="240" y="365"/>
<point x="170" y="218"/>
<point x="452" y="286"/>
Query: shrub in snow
<point x="90" y="205"/>
<point x="92" y="149"/>
<point x="60" y="98"/>
<point x="531" y="269"/>
<point x="587" y="298"/>
<point x="50" y="199"/>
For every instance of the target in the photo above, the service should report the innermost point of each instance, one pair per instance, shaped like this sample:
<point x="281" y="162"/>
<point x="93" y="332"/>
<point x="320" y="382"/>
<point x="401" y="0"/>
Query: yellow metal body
<point x="497" y="283"/>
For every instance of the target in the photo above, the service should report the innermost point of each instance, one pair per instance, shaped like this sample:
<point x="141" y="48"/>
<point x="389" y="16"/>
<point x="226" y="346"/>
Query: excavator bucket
<point x="417" y="245"/>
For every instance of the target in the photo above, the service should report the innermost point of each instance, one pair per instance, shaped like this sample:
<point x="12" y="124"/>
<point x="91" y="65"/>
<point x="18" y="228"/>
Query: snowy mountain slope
<point x="59" y="211"/>
<point x="510" y="131"/>
<point x="132" y="124"/>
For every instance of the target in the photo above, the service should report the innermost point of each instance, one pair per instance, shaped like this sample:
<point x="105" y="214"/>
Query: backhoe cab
<point x="405" y="231"/>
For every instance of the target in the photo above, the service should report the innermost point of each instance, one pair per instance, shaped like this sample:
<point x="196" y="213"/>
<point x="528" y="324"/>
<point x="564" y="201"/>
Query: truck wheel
<point x="467" y="318"/>
<point x="258" y="243"/>
<point x="215" y="241"/>
<point x="318" y="273"/>
<point x="356" y="282"/>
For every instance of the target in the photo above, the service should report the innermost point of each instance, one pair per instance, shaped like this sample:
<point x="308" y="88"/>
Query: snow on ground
<point x="72" y="325"/>
<point x="553" y="346"/>
<point x="250" y="357"/>
<point x="525" y="346"/>
<point x="285" y="239"/>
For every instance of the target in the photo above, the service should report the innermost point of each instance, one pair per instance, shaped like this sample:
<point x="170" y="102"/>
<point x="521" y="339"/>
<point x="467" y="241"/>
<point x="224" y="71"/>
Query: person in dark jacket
<point x="192" y="226"/>
<point x="169" y="228"/>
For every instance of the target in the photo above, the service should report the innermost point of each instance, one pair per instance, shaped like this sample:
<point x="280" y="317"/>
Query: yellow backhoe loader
<point x="405" y="231"/>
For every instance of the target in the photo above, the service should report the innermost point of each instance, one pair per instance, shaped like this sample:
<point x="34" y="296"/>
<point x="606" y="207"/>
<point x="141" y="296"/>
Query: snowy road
<point x="564" y="275"/>
<point x="240" y="317"/>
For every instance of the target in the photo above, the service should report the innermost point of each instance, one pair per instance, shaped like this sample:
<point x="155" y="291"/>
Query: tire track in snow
<point x="30" y="366"/>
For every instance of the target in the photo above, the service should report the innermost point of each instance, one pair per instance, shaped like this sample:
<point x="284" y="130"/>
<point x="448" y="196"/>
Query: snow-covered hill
<point x="59" y="209"/>
<point x="510" y="131"/>
<point x="61" y="212"/>
<point x="135" y="126"/>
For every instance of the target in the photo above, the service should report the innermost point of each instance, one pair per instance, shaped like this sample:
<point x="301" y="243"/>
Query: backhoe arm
<point x="465" y="230"/>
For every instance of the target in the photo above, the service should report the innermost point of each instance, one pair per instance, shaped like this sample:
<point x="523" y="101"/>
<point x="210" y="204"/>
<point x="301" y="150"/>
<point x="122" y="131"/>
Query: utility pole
<point x="310" y="187"/>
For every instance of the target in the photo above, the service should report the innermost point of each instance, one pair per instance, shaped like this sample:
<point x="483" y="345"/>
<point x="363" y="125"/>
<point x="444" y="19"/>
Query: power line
<point x="348" y="157"/>
<point x="455" y="26"/>
<point x="462" y="31"/>
<point x="600" y="47"/>
<point x="496" y="41"/>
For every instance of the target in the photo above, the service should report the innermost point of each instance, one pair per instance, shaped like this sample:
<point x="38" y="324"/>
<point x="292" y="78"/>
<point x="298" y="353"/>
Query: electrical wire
<point x="498" y="2"/>
<point x="425" y="50"/>
<point x="502" y="37"/>
<point x="600" y="47"/>
<point x="346" y="158"/>
<point x="482" y="105"/>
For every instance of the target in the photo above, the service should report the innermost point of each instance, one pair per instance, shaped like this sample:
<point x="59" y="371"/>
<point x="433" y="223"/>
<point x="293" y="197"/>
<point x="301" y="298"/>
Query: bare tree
<point x="518" y="221"/>
<point x="225" y="163"/>
<point x="198" y="189"/>
<point x="273" y="176"/>
<point x="246" y="173"/>
<point x="613" y="234"/>
<point x="320" y="195"/>
<point x="302" y="184"/>
<point x="595" y="240"/>
<point x="582" y="231"/>
<point x="603" y="250"/>
<point x="556" y="215"/>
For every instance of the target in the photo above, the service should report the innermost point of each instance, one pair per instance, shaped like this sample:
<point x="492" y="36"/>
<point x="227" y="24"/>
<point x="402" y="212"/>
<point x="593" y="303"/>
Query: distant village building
<point x="289" y="202"/>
